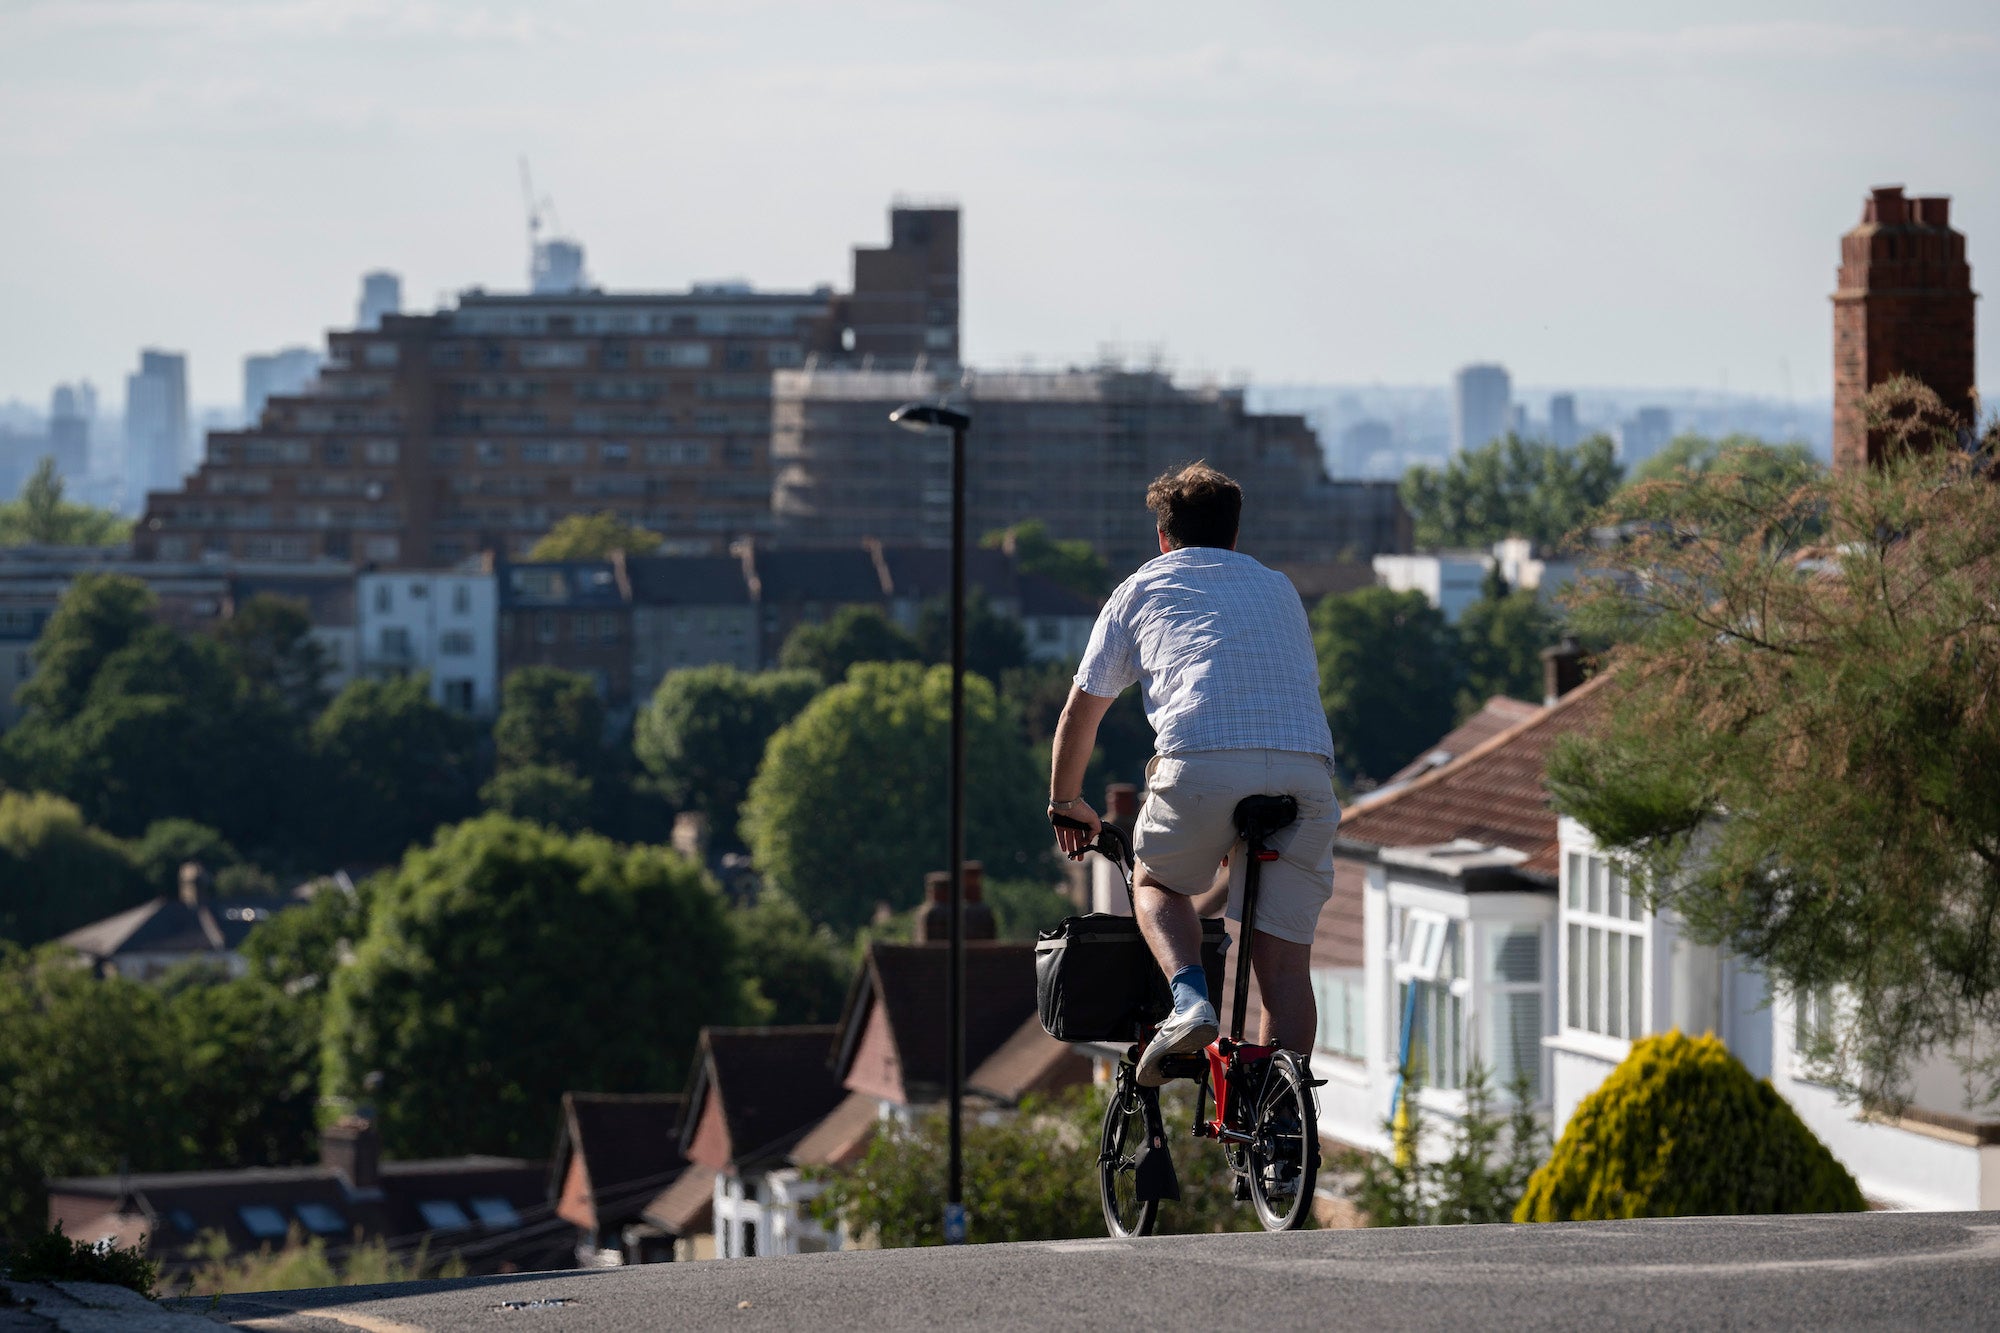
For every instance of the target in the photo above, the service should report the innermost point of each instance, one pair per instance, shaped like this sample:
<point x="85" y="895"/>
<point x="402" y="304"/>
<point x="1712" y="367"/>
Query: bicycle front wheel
<point x="1118" y="1149"/>
<point x="1283" y="1158"/>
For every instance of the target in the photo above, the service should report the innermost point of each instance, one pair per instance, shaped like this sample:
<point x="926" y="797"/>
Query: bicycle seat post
<point x="1257" y="818"/>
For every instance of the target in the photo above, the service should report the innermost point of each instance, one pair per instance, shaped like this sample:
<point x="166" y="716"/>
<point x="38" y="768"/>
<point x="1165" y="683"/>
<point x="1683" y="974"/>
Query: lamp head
<point x="923" y="416"/>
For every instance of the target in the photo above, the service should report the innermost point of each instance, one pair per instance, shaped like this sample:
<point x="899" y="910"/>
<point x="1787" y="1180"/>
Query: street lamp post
<point x="922" y="417"/>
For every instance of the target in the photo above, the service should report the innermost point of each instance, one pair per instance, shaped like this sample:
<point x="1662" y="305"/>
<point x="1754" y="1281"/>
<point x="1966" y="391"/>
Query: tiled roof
<point x="561" y="583"/>
<point x="1493" y="795"/>
<point x="688" y="580"/>
<point x="1029" y="1061"/>
<point x="630" y="1144"/>
<point x="908" y="981"/>
<point x="843" y="1136"/>
<point x="1494" y="716"/>
<point x="842" y="574"/>
<point x="686" y="1206"/>
<point x="167" y="925"/>
<point x="924" y="572"/>
<point x="775" y="1083"/>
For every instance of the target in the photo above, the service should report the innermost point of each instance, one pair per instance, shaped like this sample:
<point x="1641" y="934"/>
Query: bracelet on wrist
<point x="1054" y="804"/>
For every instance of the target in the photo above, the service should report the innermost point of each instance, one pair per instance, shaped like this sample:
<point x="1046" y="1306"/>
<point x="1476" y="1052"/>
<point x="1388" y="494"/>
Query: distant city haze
<point x="1298" y="194"/>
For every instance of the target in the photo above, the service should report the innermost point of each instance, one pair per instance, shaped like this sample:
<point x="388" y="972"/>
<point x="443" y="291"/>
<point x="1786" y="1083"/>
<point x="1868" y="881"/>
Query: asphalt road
<point x="1877" y="1270"/>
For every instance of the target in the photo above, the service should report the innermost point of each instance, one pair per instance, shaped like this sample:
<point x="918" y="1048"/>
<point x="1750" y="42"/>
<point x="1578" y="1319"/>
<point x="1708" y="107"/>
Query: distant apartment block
<point x="272" y="374"/>
<point x="1644" y="434"/>
<point x="381" y="296"/>
<point x="437" y="437"/>
<point x="1073" y="449"/>
<point x="1904" y="306"/>
<point x="1563" y="432"/>
<point x="1482" y="406"/>
<point x="156" y="424"/>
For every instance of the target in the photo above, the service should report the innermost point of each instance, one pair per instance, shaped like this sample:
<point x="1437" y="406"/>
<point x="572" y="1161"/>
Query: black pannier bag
<point x="1095" y="979"/>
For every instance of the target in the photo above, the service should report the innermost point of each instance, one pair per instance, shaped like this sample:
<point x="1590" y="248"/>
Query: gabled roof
<point x="772" y="1084"/>
<point x="1028" y="1061"/>
<point x="843" y="1136"/>
<point x="687" y="1205"/>
<point x="168" y="925"/>
<point x="841" y="574"/>
<point x="908" y="982"/>
<point x="688" y="580"/>
<point x="1493" y="795"/>
<point x="924" y="572"/>
<point x="1494" y="716"/>
<point x="629" y="1145"/>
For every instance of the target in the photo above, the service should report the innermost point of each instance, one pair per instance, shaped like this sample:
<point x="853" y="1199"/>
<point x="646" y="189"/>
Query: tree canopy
<point x="848" y="809"/>
<point x="56" y="872"/>
<point x="994" y="644"/>
<point x="478" y="992"/>
<point x="1770" y="464"/>
<point x="1500" y="641"/>
<point x="593" y="537"/>
<point x="1389" y="677"/>
<point x="703" y="735"/>
<point x="395" y="765"/>
<point x="1803" y="730"/>
<point x="851" y="634"/>
<point x="1071" y="562"/>
<point x="1510" y="488"/>
<point x="41" y="516"/>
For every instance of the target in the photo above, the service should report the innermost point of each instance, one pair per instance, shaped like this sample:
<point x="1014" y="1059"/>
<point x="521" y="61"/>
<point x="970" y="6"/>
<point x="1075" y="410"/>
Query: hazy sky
<point x="1592" y="193"/>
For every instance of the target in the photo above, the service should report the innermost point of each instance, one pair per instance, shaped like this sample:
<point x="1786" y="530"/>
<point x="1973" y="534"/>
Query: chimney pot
<point x="1121" y="804"/>
<point x="193" y="883"/>
<point x="1934" y="211"/>
<point x="975" y="880"/>
<point x="1886" y="206"/>
<point x="351" y="1147"/>
<point x="937" y="886"/>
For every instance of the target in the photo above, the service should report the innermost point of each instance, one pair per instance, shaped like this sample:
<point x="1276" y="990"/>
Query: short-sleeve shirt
<point x="1222" y="649"/>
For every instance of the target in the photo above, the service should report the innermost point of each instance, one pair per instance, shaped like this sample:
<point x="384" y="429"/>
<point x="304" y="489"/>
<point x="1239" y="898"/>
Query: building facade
<point x="156" y="424"/>
<point x="1482" y="406"/>
<point x="1074" y="449"/>
<point x="436" y="437"/>
<point x="266" y="375"/>
<point x="1903" y="306"/>
<point x="444" y="623"/>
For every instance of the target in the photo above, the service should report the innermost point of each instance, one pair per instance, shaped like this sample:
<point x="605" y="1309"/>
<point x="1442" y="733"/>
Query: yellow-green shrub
<point x="1681" y="1129"/>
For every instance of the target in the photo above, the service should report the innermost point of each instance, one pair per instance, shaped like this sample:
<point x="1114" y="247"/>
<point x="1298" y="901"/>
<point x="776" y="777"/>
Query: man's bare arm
<point x="1076" y="736"/>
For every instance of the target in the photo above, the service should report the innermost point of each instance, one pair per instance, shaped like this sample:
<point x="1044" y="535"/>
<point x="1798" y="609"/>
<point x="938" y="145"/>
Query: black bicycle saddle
<point x="1259" y="817"/>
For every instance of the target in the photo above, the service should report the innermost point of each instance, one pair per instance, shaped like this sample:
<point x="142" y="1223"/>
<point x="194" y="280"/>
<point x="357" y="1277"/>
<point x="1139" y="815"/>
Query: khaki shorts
<point x="1186" y="827"/>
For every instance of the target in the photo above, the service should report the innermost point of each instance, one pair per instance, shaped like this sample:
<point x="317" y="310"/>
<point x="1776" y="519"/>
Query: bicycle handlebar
<point x="1111" y="842"/>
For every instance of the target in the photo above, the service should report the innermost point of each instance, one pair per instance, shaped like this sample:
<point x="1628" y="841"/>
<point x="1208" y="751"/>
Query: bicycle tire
<point x="1284" y="1159"/>
<point x="1118" y="1144"/>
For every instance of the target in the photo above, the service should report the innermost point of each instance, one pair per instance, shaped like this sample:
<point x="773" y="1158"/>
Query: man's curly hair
<point x="1196" y="506"/>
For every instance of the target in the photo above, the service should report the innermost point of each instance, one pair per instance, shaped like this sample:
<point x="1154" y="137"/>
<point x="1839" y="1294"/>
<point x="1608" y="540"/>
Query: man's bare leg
<point x="1168" y="921"/>
<point x="1284" y="985"/>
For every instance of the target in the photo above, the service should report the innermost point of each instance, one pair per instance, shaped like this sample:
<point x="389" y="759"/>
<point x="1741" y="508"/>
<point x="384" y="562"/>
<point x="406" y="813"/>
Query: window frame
<point x="1592" y="884"/>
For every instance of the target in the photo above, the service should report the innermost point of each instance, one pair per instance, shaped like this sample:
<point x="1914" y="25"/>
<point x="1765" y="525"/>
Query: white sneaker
<point x="1185" y="1030"/>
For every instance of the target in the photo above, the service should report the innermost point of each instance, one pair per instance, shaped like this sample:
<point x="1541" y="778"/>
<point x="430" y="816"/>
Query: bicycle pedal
<point x="1240" y="1191"/>
<point x="1315" y="1083"/>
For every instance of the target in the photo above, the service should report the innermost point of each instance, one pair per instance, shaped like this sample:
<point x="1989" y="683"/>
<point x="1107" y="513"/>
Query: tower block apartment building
<point x="1903" y="306"/>
<point x="436" y="437"/>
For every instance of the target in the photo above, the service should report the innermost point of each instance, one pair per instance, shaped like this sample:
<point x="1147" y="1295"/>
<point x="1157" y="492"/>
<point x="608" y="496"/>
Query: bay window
<point x="1471" y="990"/>
<point x="1604" y="950"/>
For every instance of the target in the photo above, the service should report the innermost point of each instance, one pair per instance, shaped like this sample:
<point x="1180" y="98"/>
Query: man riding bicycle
<point x="1221" y="648"/>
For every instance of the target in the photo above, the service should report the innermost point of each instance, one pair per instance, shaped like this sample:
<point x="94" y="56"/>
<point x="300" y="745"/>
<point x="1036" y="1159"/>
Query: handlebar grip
<point x="1111" y="843"/>
<point x="1064" y="821"/>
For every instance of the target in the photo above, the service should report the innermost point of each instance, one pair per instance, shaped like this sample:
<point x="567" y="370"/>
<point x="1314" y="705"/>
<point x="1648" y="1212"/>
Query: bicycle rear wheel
<point x="1284" y="1157"/>
<point x="1118" y="1149"/>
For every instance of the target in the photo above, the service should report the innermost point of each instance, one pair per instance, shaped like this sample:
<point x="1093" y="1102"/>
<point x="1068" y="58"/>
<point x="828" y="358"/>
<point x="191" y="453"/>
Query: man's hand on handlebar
<point x="1076" y="841"/>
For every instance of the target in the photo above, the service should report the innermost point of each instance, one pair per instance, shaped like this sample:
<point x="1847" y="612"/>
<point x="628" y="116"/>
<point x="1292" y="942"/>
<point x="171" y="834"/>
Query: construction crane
<point x="555" y="263"/>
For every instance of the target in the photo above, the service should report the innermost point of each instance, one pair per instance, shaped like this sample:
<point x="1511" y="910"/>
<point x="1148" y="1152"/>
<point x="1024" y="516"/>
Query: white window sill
<point x="1571" y="1042"/>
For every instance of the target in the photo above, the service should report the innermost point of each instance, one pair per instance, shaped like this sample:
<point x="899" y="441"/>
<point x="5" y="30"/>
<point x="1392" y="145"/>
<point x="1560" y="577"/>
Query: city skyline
<point x="1348" y="199"/>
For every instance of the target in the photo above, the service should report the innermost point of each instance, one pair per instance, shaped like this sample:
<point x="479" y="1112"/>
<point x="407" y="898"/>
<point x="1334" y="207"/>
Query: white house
<point x="1496" y="931"/>
<point x="445" y="622"/>
<point x="1451" y="580"/>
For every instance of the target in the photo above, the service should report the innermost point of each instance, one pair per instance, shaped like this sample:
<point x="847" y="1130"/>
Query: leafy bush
<point x="305" y="1263"/>
<point x="1477" y="1180"/>
<point x="1031" y="1176"/>
<point x="50" y="1256"/>
<point x="1681" y="1129"/>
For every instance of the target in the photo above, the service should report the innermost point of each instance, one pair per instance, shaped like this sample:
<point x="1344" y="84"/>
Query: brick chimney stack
<point x="194" y="883"/>
<point x="353" y="1149"/>
<point x="1904" y="306"/>
<point x="1562" y="669"/>
<point x="934" y="922"/>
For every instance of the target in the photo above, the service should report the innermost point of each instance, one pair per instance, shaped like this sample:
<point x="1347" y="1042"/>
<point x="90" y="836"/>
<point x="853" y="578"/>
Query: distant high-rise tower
<point x="156" y="425"/>
<point x="70" y="410"/>
<point x="1482" y="406"/>
<point x="381" y="294"/>
<point x="283" y="372"/>
<point x="557" y="268"/>
<point x="1903" y="307"/>
<point x="905" y="300"/>
<point x="1562" y="420"/>
<point x="1644" y="435"/>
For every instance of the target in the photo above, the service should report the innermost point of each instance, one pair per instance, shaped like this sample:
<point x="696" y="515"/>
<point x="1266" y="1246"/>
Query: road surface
<point x="1876" y="1270"/>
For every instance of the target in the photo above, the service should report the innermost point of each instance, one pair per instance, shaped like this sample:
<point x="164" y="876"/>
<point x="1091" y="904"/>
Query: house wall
<point x="443" y="623"/>
<point x="876" y="1070"/>
<point x="668" y="638"/>
<point x="575" y="1205"/>
<point x="710" y="1145"/>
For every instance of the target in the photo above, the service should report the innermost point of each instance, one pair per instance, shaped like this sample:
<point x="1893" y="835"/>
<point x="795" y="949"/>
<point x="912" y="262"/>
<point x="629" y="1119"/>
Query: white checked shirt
<point x="1223" y="650"/>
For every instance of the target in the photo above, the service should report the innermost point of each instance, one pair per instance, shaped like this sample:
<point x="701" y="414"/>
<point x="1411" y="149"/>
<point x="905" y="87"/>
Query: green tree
<point x="1389" y="676"/>
<point x="994" y="644"/>
<point x="42" y="517"/>
<point x="395" y="766"/>
<point x="542" y="794"/>
<point x="852" y="634"/>
<point x="56" y="872"/>
<point x="1028" y="1176"/>
<point x="1801" y="731"/>
<point x="593" y="537"/>
<point x="802" y="971"/>
<point x="269" y="643"/>
<point x="1124" y="736"/>
<point x="247" y="1089"/>
<point x="1073" y="563"/>
<point x="1510" y="488"/>
<point x="1023" y="908"/>
<point x="704" y="733"/>
<point x="299" y="949"/>
<point x="1681" y="1129"/>
<point x="1500" y="641"/>
<point x="168" y="844"/>
<point x="1770" y="464"/>
<point x="848" y="808"/>
<point x="477" y="992"/>
<point x="98" y="615"/>
<point x="552" y="717"/>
